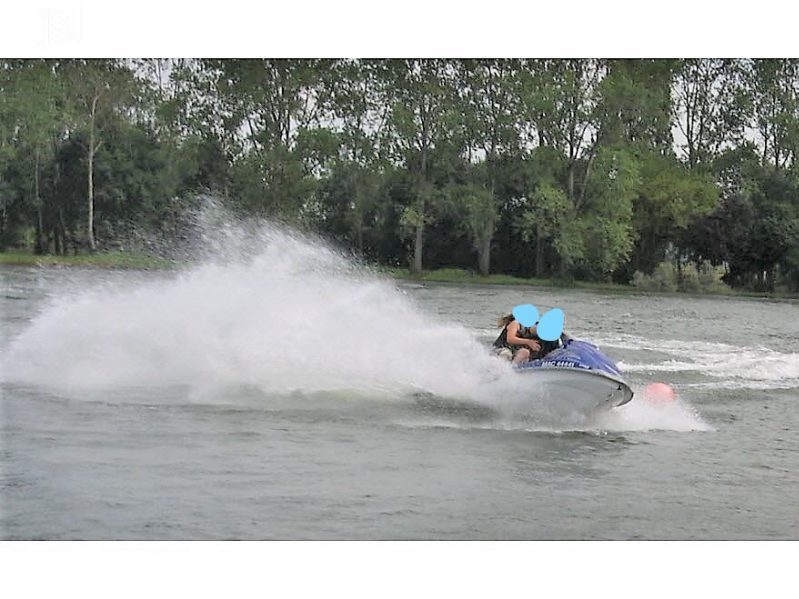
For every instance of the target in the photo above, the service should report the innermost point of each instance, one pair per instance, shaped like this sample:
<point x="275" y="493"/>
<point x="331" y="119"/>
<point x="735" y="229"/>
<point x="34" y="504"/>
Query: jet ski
<point x="579" y="377"/>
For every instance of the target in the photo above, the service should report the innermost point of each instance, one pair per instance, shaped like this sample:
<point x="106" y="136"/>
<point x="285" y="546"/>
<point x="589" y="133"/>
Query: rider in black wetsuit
<point x="502" y="342"/>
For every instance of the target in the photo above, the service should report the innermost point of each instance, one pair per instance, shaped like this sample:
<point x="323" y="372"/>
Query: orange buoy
<point x="659" y="393"/>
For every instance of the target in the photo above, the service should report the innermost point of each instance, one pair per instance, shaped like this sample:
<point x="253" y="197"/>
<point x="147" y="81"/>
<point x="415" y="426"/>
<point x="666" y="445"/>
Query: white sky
<point x="359" y="28"/>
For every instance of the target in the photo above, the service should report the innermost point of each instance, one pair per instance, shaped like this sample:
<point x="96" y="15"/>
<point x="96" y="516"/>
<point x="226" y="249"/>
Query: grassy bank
<point x="444" y="275"/>
<point x="463" y="277"/>
<point x="454" y="275"/>
<point x="98" y="260"/>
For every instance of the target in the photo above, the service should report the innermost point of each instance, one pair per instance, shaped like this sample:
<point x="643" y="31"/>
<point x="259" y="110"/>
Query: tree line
<point x="586" y="169"/>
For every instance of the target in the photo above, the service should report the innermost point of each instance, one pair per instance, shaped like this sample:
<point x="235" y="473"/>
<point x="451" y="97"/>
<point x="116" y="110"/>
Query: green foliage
<point x="489" y="106"/>
<point x="670" y="198"/>
<point x="607" y="213"/>
<point x="570" y="244"/>
<point x="664" y="278"/>
<point x="559" y="167"/>
<point x="691" y="278"/>
<point x="271" y="183"/>
<point x="418" y="213"/>
<point x="478" y="211"/>
<point x="775" y="99"/>
<point x="102" y="259"/>
<point x="597" y="232"/>
<point x="754" y="230"/>
<point x="711" y="107"/>
<point x="710" y="277"/>
<point x="635" y="104"/>
<point x="559" y="99"/>
<point x="788" y="277"/>
<point x="350" y="206"/>
<point x="411" y="218"/>
<point x="549" y="211"/>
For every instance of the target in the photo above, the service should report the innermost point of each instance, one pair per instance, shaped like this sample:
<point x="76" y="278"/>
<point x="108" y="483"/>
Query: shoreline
<point x="463" y="277"/>
<point x="110" y="260"/>
<point x="124" y="260"/>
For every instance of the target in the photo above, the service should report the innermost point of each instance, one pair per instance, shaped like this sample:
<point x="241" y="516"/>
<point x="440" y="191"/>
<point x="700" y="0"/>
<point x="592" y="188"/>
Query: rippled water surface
<point x="296" y="396"/>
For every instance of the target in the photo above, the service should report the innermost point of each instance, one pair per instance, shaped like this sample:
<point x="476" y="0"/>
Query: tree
<point x="40" y="94"/>
<point x="350" y="100"/>
<point x="488" y="101"/>
<point x="711" y="105"/>
<point x="420" y="93"/>
<point x="351" y="103"/>
<point x="774" y="85"/>
<point x="635" y="105"/>
<point x="606" y="212"/>
<point x="549" y="166"/>
<point x="559" y="98"/>
<point x="549" y="217"/>
<point x="754" y="230"/>
<point x="98" y="90"/>
<point x="670" y="198"/>
<point x="582" y="111"/>
<point x="774" y="226"/>
<point x="269" y="105"/>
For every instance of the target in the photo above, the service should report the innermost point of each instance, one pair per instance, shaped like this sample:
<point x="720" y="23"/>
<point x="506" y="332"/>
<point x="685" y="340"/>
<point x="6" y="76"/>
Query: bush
<point x="710" y="278"/>
<point x="690" y="280"/>
<point x="704" y="278"/>
<point x="663" y="279"/>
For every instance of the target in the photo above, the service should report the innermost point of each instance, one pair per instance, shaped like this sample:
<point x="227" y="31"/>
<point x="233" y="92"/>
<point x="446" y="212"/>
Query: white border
<point x="401" y="569"/>
<point x="414" y="28"/>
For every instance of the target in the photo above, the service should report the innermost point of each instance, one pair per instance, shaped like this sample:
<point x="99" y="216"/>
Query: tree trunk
<point x="92" y="149"/>
<point x="40" y="244"/>
<point x="359" y="233"/>
<point x="62" y="233"/>
<point x="587" y="175"/>
<point x="359" y="215"/>
<point x="562" y="272"/>
<point x="3" y="217"/>
<point x="539" y="252"/>
<point x="484" y="256"/>
<point x="90" y="224"/>
<point x="418" y="242"/>
<point x="39" y="249"/>
<point x="58" y="244"/>
<point x="572" y="165"/>
<point x="417" y="250"/>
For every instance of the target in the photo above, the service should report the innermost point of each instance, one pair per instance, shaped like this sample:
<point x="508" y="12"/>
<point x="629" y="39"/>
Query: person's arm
<point x="514" y="339"/>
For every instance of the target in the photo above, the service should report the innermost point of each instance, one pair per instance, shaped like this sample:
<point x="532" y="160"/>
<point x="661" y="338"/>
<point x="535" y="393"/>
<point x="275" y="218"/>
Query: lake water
<point x="290" y="394"/>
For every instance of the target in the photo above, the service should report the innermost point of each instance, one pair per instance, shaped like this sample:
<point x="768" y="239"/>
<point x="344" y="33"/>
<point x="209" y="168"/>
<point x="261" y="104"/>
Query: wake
<point x="274" y="313"/>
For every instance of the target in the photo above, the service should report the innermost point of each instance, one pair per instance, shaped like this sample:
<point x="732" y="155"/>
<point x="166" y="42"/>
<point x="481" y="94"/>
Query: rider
<point x="521" y="343"/>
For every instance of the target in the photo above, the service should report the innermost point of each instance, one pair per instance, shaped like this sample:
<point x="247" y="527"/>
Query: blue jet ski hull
<point x="581" y="376"/>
